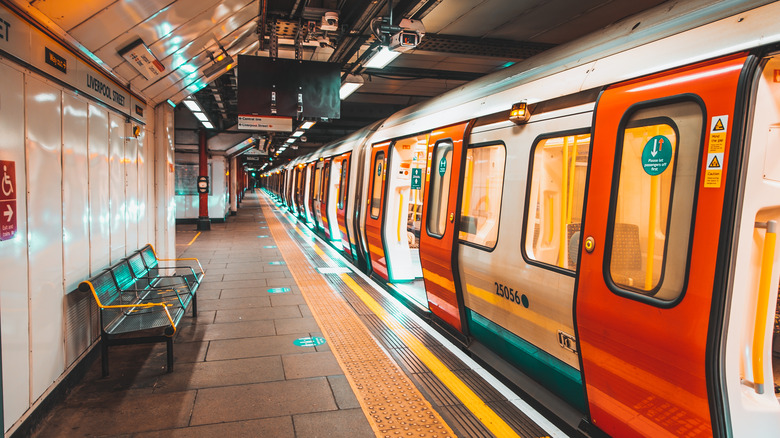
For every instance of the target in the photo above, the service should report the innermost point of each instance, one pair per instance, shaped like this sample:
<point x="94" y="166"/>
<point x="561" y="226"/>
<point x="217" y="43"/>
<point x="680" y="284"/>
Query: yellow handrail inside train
<point x="764" y="285"/>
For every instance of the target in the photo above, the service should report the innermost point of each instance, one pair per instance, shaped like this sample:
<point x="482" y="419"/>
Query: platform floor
<point x="289" y="342"/>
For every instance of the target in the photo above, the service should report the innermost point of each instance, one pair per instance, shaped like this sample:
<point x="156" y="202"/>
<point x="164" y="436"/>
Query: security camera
<point x="408" y="37"/>
<point x="330" y="21"/>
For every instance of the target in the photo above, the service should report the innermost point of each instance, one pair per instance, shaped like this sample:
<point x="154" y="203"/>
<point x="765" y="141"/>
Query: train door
<point x="333" y="197"/>
<point x="441" y="213"/>
<point x="376" y="187"/>
<point x="341" y="203"/>
<point x="307" y="184"/>
<point x="650" y="248"/>
<point x="311" y="180"/>
<point x="324" y="192"/>
<point x="402" y="213"/>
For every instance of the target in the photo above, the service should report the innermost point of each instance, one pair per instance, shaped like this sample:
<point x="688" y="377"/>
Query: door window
<point x="441" y="169"/>
<point x="555" y="197"/>
<point x="376" y="191"/>
<point x="651" y="219"/>
<point x="342" y="193"/>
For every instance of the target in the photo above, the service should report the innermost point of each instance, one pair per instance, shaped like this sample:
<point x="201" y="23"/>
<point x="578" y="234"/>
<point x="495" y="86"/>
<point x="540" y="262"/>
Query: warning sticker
<point x="719" y="124"/>
<point x="714" y="161"/>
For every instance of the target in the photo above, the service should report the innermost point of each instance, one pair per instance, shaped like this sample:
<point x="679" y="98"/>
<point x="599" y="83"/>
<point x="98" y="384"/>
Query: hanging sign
<point x="656" y="155"/>
<point x="7" y="200"/>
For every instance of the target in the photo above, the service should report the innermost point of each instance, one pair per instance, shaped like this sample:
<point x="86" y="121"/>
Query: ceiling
<point x="464" y="39"/>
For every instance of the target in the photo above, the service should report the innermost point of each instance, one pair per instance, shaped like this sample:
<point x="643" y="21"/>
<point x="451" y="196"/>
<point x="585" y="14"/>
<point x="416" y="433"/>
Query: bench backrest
<point x="105" y="288"/>
<point x="123" y="275"/>
<point x="149" y="257"/>
<point x="138" y="266"/>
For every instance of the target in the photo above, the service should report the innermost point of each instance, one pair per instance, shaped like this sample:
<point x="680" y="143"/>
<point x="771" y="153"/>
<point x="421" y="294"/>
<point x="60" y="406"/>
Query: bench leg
<point x="195" y="305"/>
<point x="104" y="356"/>
<point x="169" y="347"/>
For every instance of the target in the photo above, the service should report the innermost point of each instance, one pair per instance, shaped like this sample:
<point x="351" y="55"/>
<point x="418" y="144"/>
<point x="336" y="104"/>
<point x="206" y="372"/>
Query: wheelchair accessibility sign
<point x="7" y="200"/>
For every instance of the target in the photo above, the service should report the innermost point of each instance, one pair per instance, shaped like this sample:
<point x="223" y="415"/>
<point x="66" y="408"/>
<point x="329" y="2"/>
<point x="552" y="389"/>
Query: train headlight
<point x="520" y="113"/>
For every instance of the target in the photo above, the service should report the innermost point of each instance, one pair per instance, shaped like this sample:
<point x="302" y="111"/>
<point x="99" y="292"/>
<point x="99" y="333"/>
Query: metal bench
<point x="141" y="301"/>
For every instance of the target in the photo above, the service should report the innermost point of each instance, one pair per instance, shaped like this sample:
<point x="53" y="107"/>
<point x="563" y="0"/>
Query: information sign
<point x="7" y="200"/>
<point x="442" y="166"/>
<point x="656" y="155"/>
<point x="416" y="179"/>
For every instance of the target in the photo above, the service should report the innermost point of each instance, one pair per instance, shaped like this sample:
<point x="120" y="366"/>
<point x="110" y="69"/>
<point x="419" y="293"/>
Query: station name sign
<point x="22" y="40"/>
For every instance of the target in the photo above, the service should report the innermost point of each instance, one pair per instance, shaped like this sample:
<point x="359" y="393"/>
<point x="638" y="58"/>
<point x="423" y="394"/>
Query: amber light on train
<point x="520" y="113"/>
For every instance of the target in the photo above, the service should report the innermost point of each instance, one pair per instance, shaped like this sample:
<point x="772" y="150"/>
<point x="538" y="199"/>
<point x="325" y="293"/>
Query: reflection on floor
<point x="414" y="290"/>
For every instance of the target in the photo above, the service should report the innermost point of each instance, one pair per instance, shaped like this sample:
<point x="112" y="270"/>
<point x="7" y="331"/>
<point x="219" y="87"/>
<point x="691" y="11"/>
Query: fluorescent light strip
<point x="192" y="105"/>
<point x="382" y="58"/>
<point x="297" y="134"/>
<point x="307" y="125"/>
<point x="347" y="89"/>
<point x="200" y="116"/>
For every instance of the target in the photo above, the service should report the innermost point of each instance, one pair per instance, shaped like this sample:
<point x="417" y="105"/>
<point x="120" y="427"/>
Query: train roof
<point x="673" y="34"/>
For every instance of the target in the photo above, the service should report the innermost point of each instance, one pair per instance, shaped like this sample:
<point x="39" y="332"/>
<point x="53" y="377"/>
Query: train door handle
<point x="590" y="244"/>
<point x="452" y="217"/>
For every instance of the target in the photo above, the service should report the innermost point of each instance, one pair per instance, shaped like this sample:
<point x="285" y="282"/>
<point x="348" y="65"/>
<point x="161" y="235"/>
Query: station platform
<point x="290" y="341"/>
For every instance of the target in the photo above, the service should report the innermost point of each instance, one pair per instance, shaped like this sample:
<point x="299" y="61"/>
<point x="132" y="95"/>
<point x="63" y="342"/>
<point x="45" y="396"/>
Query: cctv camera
<point x="330" y="21"/>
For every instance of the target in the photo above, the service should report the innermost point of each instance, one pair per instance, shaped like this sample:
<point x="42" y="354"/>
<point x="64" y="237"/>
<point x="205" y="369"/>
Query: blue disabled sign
<point x="309" y="342"/>
<point x="416" y="179"/>
<point x="442" y="166"/>
<point x="656" y="155"/>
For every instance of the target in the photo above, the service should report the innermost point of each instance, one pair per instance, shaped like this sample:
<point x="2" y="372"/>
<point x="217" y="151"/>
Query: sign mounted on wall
<point x="7" y="200"/>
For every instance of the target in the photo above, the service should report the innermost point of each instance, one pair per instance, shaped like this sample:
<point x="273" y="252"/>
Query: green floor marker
<point x="262" y="236"/>
<point x="278" y="290"/>
<point x="309" y="342"/>
<point x="275" y="263"/>
<point x="269" y="246"/>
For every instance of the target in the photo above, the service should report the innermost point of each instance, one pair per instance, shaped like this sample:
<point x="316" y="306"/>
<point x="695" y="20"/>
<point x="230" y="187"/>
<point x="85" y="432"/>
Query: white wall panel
<point x="116" y="190"/>
<point x="143" y="195"/>
<point x="44" y="224"/>
<point x="75" y="191"/>
<point x="164" y="180"/>
<point x="100" y="214"/>
<point x="131" y="189"/>
<point x="13" y="255"/>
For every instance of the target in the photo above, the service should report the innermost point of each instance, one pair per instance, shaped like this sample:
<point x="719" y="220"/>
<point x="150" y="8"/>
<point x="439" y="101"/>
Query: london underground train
<point x="601" y="217"/>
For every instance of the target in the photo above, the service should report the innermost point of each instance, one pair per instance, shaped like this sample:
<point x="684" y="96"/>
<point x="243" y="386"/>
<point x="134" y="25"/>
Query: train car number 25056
<point x="511" y="294"/>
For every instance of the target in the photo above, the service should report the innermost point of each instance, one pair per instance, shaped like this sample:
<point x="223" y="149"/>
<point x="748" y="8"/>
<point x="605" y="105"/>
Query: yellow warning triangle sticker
<point x="719" y="126"/>
<point x="714" y="164"/>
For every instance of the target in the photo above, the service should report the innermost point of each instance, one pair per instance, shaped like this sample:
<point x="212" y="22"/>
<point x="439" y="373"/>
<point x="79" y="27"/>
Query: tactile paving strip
<point x="392" y="403"/>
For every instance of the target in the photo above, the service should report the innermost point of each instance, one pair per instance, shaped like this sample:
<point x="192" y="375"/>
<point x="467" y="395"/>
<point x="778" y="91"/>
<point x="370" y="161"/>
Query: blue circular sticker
<point x="443" y="166"/>
<point x="656" y="155"/>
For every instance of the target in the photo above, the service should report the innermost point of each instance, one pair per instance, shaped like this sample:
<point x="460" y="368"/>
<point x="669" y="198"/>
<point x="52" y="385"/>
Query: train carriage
<point x="601" y="217"/>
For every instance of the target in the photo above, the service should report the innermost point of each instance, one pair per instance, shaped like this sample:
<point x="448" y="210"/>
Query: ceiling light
<point x="297" y="134"/>
<point x="290" y="140"/>
<point x="192" y="105"/>
<point x="308" y="124"/>
<point x="381" y="58"/>
<point x="208" y="125"/>
<point x="351" y="83"/>
<point x="202" y="117"/>
<point x="217" y="97"/>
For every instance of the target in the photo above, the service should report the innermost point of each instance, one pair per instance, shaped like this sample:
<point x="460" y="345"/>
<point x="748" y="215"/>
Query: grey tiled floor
<point x="237" y="371"/>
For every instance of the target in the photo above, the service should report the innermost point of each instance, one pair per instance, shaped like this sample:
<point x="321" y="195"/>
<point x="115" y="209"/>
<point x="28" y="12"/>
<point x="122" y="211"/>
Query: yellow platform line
<point x="391" y="402"/>
<point x="472" y="401"/>
<point x="193" y="239"/>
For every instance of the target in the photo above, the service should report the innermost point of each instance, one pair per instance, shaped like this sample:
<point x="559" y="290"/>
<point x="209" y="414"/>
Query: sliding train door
<point x="374" y="219"/>
<point x="649" y="249"/>
<point x="341" y="202"/>
<point x="440" y="219"/>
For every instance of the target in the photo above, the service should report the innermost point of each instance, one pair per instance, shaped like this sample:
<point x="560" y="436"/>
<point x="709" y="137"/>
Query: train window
<point x="376" y="191"/>
<point x="650" y="223"/>
<point x="555" y="197"/>
<point x="482" y="188"/>
<point x="343" y="184"/>
<point x="317" y="182"/>
<point x="325" y="182"/>
<point x="441" y="169"/>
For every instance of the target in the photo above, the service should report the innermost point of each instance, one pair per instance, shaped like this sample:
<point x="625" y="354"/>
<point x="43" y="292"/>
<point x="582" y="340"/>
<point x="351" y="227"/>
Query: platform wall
<point x="188" y="206"/>
<point x="86" y="197"/>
